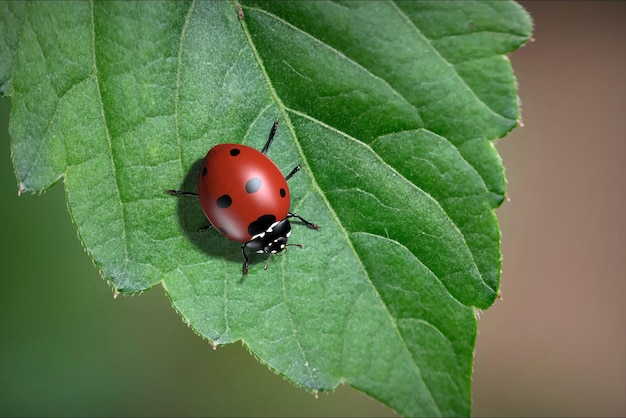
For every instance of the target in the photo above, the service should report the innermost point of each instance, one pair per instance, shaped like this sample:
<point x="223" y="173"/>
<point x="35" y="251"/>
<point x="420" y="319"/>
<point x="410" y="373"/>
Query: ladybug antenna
<point x="267" y="260"/>
<point x="285" y="250"/>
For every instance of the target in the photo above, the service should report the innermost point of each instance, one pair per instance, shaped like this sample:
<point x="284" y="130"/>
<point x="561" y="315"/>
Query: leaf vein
<point x="109" y="144"/>
<point x="436" y="51"/>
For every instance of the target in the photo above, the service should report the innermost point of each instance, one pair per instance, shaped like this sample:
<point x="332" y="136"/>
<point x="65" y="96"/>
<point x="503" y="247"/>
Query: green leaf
<point x="390" y="107"/>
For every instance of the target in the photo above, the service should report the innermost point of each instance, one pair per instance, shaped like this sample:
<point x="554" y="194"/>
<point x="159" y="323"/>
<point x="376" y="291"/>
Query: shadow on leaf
<point x="191" y="218"/>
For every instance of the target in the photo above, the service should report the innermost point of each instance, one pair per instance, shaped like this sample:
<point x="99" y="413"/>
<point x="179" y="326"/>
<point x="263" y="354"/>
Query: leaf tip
<point x="316" y="394"/>
<point x="115" y="293"/>
<point x="214" y="345"/>
<point x="21" y="188"/>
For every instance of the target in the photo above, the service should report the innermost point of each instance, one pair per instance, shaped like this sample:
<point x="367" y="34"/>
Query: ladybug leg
<point x="266" y="148"/>
<point x="245" y="259"/>
<point x="307" y="223"/>
<point x="180" y="193"/>
<point x="204" y="228"/>
<point x="294" y="171"/>
<point x="270" y="138"/>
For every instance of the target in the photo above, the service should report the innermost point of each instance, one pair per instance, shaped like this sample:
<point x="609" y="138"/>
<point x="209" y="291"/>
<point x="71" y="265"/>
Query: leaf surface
<point x="391" y="107"/>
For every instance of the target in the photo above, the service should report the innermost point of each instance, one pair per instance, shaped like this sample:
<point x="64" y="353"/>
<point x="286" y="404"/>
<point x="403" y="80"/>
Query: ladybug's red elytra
<point x="245" y="197"/>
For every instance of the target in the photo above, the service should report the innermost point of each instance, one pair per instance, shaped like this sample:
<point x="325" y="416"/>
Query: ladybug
<point x="245" y="197"/>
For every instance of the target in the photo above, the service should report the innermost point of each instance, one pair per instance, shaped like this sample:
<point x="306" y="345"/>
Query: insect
<point x="245" y="197"/>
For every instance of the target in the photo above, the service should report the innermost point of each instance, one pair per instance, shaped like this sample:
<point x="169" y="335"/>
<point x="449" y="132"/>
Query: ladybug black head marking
<point x="262" y="224"/>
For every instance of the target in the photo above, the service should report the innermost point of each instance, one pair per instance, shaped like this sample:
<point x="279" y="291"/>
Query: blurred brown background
<point x="554" y="346"/>
<point x="556" y="343"/>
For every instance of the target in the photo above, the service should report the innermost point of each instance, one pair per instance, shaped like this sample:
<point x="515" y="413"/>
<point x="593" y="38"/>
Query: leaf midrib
<point x="284" y="110"/>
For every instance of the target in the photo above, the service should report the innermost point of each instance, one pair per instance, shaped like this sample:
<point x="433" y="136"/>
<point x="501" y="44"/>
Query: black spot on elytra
<point x="224" y="201"/>
<point x="253" y="185"/>
<point x="261" y="224"/>
<point x="203" y="171"/>
<point x="283" y="192"/>
<point x="234" y="152"/>
<point x="223" y="230"/>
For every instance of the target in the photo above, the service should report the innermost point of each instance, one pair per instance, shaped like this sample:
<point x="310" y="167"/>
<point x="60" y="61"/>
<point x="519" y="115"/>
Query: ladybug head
<point x="273" y="240"/>
<point x="270" y="236"/>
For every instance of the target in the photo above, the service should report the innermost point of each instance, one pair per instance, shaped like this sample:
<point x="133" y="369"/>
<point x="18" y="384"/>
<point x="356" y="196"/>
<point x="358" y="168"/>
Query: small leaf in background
<point x="391" y="108"/>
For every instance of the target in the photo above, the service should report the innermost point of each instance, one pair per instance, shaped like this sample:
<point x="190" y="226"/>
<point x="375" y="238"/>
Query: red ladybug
<point x="245" y="196"/>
